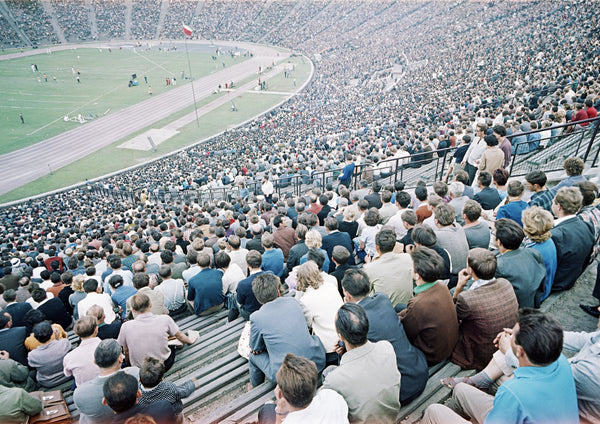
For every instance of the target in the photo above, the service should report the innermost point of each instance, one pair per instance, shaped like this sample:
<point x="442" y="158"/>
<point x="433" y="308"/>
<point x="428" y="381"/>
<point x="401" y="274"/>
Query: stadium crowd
<point x="379" y="281"/>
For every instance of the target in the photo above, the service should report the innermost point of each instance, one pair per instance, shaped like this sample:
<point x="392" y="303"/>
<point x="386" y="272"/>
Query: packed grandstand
<point x="428" y="124"/>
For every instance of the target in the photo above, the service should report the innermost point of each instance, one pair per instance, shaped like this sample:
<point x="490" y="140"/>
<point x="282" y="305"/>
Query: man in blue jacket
<point x="384" y="324"/>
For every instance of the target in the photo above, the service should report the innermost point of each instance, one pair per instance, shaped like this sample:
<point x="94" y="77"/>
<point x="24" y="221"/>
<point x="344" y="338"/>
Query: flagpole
<point x="191" y="79"/>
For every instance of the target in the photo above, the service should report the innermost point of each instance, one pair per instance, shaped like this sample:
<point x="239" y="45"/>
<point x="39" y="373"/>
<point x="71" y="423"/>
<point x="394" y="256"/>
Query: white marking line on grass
<point x="155" y="64"/>
<point x="73" y="111"/>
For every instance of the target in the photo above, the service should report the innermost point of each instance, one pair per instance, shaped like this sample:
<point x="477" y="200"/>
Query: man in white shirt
<point x="94" y="296"/>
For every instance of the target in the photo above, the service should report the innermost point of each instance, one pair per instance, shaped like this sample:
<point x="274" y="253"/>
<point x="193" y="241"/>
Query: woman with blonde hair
<point x="537" y="223"/>
<point x="77" y="294"/>
<point x="314" y="241"/>
<point x="320" y="302"/>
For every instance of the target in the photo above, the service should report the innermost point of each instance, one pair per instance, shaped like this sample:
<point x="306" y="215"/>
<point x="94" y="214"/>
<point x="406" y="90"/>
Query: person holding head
<point x="488" y="197"/>
<point x="384" y="324"/>
<point x="121" y="394"/>
<point x="542" y="390"/>
<point x="271" y="337"/>
<point x="297" y="400"/>
<point x="523" y="268"/>
<point x="367" y="377"/>
<point x="573" y="237"/>
<point x="88" y="396"/>
<point x="47" y="358"/>
<point x="205" y="289"/>
<point x="78" y="363"/>
<point x="319" y="301"/>
<point x="390" y="273"/>
<point x="148" y="334"/>
<point x="537" y="223"/>
<point x="430" y="317"/>
<point x="483" y="309"/>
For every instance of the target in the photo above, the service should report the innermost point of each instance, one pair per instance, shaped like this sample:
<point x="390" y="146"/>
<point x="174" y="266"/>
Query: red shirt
<point x="580" y="116"/>
<point x="591" y="112"/>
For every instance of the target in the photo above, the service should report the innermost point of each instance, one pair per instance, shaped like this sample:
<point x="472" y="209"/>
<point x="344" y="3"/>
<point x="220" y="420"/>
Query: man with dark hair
<point x="488" y="197"/>
<point x="503" y="144"/>
<point x="16" y="310"/>
<point x="12" y="339"/>
<point x="340" y="258"/>
<point x="430" y="317"/>
<point x="53" y="309"/>
<point x="246" y="302"/>
<point x="325" y="208"/>
<point x="423" y="211"/>
<point x="109" y="357"/>
<point x="47" y="358"/>
<point x="391" y="273"/>
<point x="373" y="197"/>
<point x="523" y="268"/>
<point x="367" y="377"/>
<point x="295" y="396"/>
<point x="205" y="289"/>
<point x="154" y="388"/>
<point x="402" y="203"/>
<point x="384" y="324"/>
<point x="484" y="309"/>
<point x="542" y="196"/>
<point x="336" y="238"/>
<point x="141" y="282"/>
<point x="284" y="235"/>
<point x="256" y="242"/>
<point x="542" y="390"/>
<point x="477" y="231"/>
<point x="94" y="296"/>
<point x="271" y="337"/>
<point x="121" y="394"/>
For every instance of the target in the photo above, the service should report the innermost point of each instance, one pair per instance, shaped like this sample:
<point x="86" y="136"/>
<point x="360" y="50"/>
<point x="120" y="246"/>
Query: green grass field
<point x="112" y="158"/>
<point x="103" y="88"/>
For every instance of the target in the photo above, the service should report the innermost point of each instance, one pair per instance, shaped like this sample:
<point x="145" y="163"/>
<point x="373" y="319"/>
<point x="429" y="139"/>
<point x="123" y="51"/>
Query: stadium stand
<point x="400" y="87"/>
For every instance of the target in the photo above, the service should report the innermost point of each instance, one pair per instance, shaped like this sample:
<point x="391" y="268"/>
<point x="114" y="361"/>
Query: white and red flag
<point x="187" y="30"/>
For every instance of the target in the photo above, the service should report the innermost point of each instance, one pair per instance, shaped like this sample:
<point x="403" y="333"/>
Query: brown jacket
<point x="430" y="323"/>
<point x="482" y="314"/>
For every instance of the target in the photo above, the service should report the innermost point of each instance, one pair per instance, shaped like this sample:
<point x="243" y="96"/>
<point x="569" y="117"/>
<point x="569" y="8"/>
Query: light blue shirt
<point x="537" y="395"/>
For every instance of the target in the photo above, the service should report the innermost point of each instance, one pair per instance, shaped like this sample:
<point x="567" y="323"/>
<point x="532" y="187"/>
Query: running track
<point x="30" y="163"/>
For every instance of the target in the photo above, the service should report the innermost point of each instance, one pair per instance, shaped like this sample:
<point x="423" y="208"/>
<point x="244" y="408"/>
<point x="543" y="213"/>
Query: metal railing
<point x="546" y="154"/>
